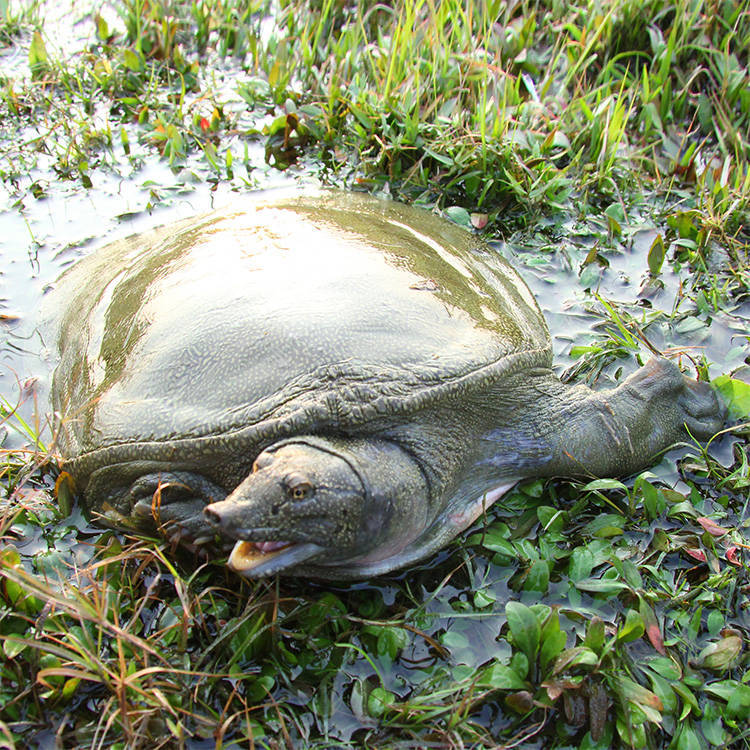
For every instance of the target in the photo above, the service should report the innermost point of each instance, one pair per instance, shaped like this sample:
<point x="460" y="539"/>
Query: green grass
<point x="605" y="614"/>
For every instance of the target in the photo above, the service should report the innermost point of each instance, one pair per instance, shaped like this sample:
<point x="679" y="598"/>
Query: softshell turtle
<point x="339" y="383"/>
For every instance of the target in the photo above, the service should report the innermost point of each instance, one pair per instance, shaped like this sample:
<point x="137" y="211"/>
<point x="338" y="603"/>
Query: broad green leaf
<point x="689" y="700"/>
<point x="656" y="255"/>
<point x="458" y="215"/>
<point x="688" y="739"/>
<point x="553" y="640"/>
<point x="38" y="60"/>
<point x="102" y="29"/>
<point x="378" y="701"/>
<point x="721" y="655"/>
<point x="483" y="598"/>
<point x="615" y="218"/>
<point x="590" y="276"/>
<point x="632" y="691"/>
<point x="604" y="484"/>
<point x="537" y="578"/>
<point x="601" y="585"/>
<point x="501" y="677"/>
<point x="653" y="500"/>
<point x="633" y="628"/>
<point x="364" y="119"/>
<point x="736" y="393"/>
<point x="578" y="656"/>
<point x="551" y="518"/>
<point x="70" y="687"/>
<point x="581" y="564"/>
<point x="665" y="667"/>
<point x="633" y="733"/>
<point x="628" y="572"/>
<point x="525" y="629"/>
<point x="391" y="640"/>
<point x="690" y="324"/>
<point x="712" y="724"/>
<point x="12" y="648"/>
<point x="739" y="702"/>
<point x="131" y="60"/>
<point x="519" y="663"/>
<point x="595" y="634"/>
<point x="724" y="689"/>
<point x="663" y="689"/>
<point x="605" y="525"/>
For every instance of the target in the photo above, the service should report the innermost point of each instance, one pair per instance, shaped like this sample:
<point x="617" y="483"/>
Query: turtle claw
<point x="143" y="509"/>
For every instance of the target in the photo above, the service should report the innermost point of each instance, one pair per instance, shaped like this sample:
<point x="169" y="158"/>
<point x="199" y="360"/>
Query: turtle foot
<point x="705" y="413"/>
<point x="174" y="503"/>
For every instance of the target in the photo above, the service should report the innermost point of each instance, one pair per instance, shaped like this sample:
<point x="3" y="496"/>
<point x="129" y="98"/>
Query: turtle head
<point x="318" y="501"/>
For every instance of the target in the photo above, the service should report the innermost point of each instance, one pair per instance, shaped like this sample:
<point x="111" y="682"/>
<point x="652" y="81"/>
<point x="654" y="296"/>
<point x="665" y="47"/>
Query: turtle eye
<point x="300" y="490"/>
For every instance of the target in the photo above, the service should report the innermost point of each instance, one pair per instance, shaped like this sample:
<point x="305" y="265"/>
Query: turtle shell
<point x="206" y="340"/>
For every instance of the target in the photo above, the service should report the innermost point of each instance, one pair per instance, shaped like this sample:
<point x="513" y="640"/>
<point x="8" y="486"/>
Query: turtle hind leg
<point x="620" y="431"/>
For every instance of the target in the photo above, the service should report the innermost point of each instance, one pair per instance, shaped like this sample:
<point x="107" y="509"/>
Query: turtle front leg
<point x="620" y="431"/>
<point x="174" y="503"/>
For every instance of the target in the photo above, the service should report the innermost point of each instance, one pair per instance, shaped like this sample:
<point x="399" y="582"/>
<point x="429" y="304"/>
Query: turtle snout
<point x="217" y="514"/>
<point x="236" y="518"/>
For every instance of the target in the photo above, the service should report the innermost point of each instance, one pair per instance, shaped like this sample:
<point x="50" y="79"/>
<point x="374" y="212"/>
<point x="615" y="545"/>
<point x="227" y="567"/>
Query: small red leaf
<point x="696" y="554"/>
<point x="732" y="556"/>
<point x="654" y="635"/>
<point x="712" y="527"/>
<point x="205" y="124"/>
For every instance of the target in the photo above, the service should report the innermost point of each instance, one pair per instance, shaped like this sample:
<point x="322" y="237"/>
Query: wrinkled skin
<point x="336" y="385"/>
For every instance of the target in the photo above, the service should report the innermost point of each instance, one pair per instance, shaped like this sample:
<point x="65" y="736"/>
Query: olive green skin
<point x="358" y="327"/>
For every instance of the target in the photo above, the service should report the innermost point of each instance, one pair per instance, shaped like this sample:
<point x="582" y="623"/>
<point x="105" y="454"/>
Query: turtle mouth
<point x="261" y="559"/>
